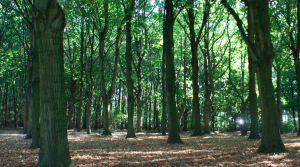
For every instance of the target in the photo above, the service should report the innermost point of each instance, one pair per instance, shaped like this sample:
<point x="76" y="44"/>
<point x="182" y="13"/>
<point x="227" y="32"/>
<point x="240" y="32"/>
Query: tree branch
<point x="240" y="26"/>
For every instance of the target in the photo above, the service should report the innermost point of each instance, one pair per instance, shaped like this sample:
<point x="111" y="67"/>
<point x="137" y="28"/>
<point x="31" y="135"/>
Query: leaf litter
<point x="151" y="149"/>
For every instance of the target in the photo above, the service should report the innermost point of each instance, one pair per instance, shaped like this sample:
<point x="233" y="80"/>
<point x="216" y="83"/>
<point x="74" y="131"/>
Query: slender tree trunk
<point x="79" y="112"/>
<point x="139" y="114"/>
<point x="278" y="94"/>
<point x="28" y="83"/>
<point x="156" y="114"/>
<point x="168" y="47"/>
<point x="243" y="115"/>
<point x="207" y="99"/>
<point x="5" y="109"/>
<point x="254" y="135"/>
<point x="164" y="102"/>
<point x="91" y="89"/>
<point x="129" y="80"/>
<point x="49" y="23"/>
<point x="150" y="110"/>
<point x="292" y="97"/>
<point x="15" y="105"/>
<point x="35" y="102"/>
<point x="74" y="87"/>
<point x="85" y="110"/>
<point x="195" y="71"/>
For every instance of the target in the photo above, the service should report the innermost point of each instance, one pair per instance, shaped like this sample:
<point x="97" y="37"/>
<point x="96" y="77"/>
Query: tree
<point x="49" y="23"/>
<point x="254" y="135"/>
<point x="168" y="49"/>
<point x="195" y="40"/>
<point x="263" y="54"/>
<point x="106" y="98"/>
<point x="128" y="8"/>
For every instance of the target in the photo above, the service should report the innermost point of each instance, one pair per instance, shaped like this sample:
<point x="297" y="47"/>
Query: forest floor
<point x="151" y="149"/>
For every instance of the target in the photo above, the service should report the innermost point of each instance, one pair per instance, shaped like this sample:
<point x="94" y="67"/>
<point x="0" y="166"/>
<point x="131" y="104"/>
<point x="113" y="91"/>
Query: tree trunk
<point x="91" y="88"/>
<point x="278" y="96"/>
<point x="139" y="113"/>
<point x="263" y="55"/>
<point x="254" y="135"/>
<point x="28" y="83"/>
<point x="88" y="110"/>
<point x="156" y="115"/>
<point x="164" y="107"/>
<point x="74" y="87"/>
<point x="49" y="23"/>
<point x="35" y="102"/>
<point x="5" y="109"/>
<point x="195" y="71"/>
<point x="208" y="84"/>
<point x="15" y="105"/>
<point x="79" y="112"/>
<point x="129" y="80"/>
<point x="243" y="116"/>
<point x="168" y="47"/>
<point x="271" y="141"/>
<point x="85" y="111"/>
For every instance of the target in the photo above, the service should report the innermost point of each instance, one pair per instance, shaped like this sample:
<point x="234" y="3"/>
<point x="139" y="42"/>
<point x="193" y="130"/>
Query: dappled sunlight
<point x="148" y="149"/>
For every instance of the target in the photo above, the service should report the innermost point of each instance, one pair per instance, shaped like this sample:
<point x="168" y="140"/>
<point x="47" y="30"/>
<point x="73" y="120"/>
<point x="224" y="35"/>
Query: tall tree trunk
<point x="243" y="116"/>
<point x="49" y="23"/>
<point x="295" y="52"/>
<point x="74" y="86"/>
<point x="139" y="113"/>
<point x="291" y="79"/>
<point x="15" y="105"/>
<point x="79" y="112"/>
<point x="168" y="47"/>
<point x="164" y="107"/>
<point x="278" y="97"/>
<point x="97" y="107"/>
<point x="5" y="109"/>
<point x="129" y="80"/>
<point x="35" y="102"/>
<point x="91" y="88"/>
<point x="157" y="122"/>
<point x="263" y="55"/>
<point x="71" y="109"/>
<point x="85" y="110"/>
<point x="254" y="135"/>
<point x="28" y="82"/>
<point x="207" y="94"/>
<point x="195" y="69"/>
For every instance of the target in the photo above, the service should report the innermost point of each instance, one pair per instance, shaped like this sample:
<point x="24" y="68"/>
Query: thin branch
<point x="240" y="26"/>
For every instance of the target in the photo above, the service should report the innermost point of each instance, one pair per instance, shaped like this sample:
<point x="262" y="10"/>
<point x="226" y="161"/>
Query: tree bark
<point x="49" y="23"/>
<point x="35" y="102"/>
<point x="164" y="107"/>
<point x="168" y="47"/>
<point x="79" y="112"/>
<point x="254" y="135"/>
<point x="5" y="109"/>
<point x="129" y="80"/>
<point x="278" y="97"/>
<point x="91" y="88"/>
<point x="195" y="68"/>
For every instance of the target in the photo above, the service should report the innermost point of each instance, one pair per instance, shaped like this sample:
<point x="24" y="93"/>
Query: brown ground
<point x="218" y="149"/>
